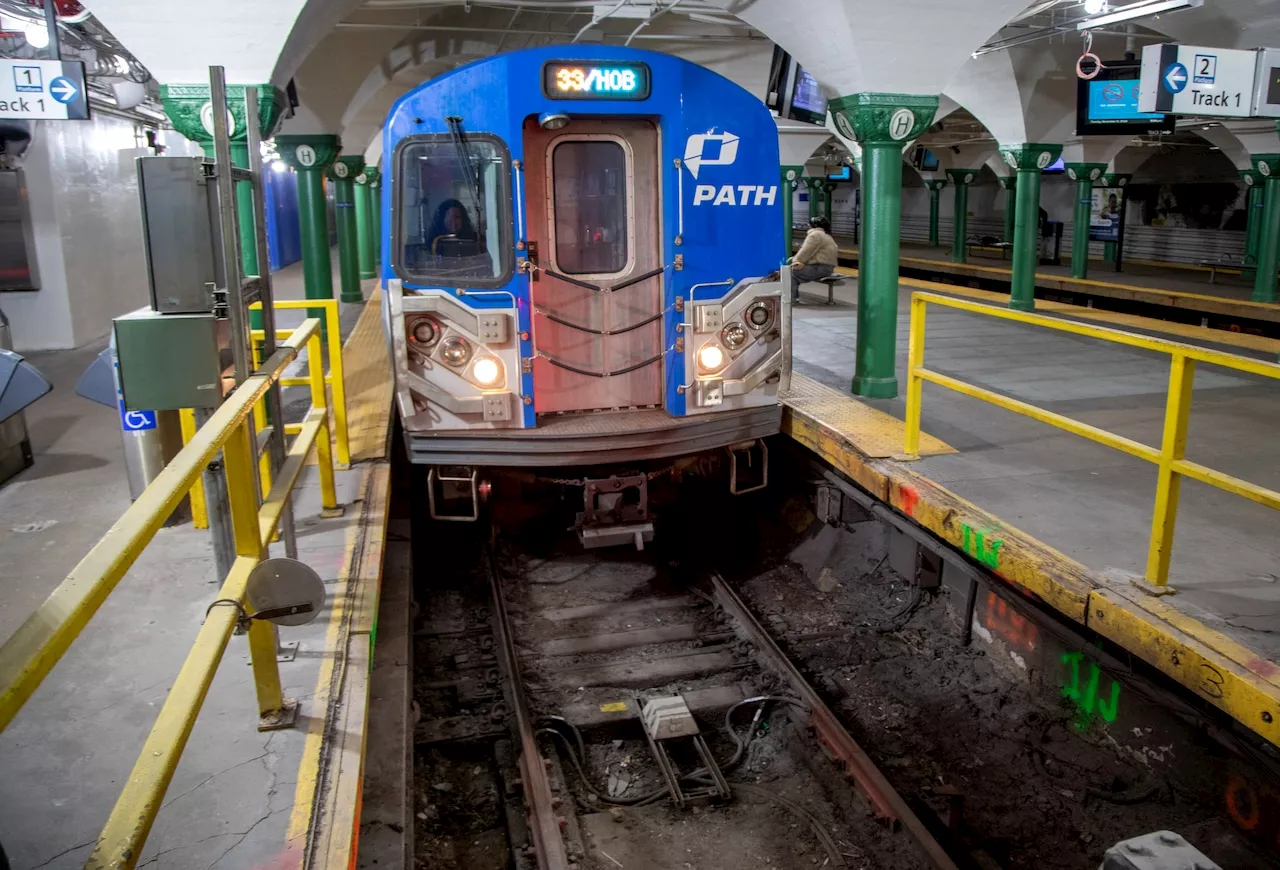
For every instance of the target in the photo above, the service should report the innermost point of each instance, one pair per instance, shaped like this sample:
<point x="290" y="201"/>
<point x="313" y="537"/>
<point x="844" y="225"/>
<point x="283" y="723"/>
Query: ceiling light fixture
<point x="1138" y="10"/>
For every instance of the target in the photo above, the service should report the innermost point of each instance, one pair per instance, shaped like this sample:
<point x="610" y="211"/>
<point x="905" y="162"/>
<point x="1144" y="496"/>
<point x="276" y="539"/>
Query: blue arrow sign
<point x="63" y="89"/>
<point x="1175" y="78"/>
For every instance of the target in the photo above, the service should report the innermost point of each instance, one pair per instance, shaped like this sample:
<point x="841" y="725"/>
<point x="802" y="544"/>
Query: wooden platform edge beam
<point x="1242" y="683"/>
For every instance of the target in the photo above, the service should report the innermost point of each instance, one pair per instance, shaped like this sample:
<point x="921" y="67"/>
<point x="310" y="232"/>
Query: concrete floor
<point x="67" y="754"/>
<point x="1137" y="274"/>
<point x="1092" y="503"/>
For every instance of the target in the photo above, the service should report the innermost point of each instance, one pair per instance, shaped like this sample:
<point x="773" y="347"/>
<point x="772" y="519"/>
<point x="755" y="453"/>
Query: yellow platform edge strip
<point x="1226" y="674"/>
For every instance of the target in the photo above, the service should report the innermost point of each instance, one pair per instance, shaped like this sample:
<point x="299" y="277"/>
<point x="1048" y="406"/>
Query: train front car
<point x="582" y="264"/>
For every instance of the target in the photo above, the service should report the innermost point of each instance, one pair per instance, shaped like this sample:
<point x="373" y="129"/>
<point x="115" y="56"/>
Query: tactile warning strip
<point x="875" y="433"/>
<point x="369" y="383"/>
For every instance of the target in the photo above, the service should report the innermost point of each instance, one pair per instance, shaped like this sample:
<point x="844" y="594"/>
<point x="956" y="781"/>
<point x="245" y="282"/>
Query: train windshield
<point x="453" y="220"/>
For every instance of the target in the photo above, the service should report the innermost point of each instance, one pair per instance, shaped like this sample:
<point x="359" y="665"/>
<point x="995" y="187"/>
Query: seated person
<point x="816" y="258"/>
<point x="451" y="226"/>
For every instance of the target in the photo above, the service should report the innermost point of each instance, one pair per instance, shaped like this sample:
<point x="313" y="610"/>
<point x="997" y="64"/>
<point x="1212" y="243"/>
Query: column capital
<point x="1115" y="179"/>
<point x="1085" y="171"/>
<point x="308" y="151"/>
<point x="1267" y="165"/>
<point x="1030" y="155"/>
<point x="1007" y="182"/>
<point x="1250" y="177"/>
<point x="935" y="183"/>
<point x="962" y="176"/>
<point x="369" y="175"/>
<point x="345" y="168"/>
<point x="883" y="118"/>
<point x="190" y="110"/>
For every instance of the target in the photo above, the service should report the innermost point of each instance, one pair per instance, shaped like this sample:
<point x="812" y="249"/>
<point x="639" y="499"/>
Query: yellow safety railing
<point x="335" y="379"/>
<point x="1170" y="457"/>
<point x="28" y="656"/>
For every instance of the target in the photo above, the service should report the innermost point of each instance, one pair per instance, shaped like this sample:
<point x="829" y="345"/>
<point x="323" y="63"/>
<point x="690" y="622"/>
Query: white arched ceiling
<point x="966" y="156"/>
<point x="1226" y="142"/>
<point x="1094" y="149"/>
<point x="364" y="120"/>
<point x="798" y="141"/>
<point x="903" y="47"/>
<point x="1223" y="24"/>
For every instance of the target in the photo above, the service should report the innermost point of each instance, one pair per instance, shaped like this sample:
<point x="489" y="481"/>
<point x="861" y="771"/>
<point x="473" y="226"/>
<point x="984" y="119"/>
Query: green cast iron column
<point x="790" y="179"/>
<point x="1254" y="199"/>
<point x="811" y="184"/>
<point x="1264" y="281"/>
<point x="1029" y="160"/>
<point x="961" y="178"/>
<point x="1010" y="185"/>
<point x="828" y="188"/>
<point x="881" y="124"/>
<point x="935" y="186"/>
<point x="364" y="223"/>
<point x="343" y="174"/>
<point x="1083" y="174"/>
<point x="310" y="155"/>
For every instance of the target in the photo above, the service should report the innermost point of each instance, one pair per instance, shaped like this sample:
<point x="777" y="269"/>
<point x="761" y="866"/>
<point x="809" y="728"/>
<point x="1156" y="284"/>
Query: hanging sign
<point x="43" y="90"/>
<point x="1198" y="81"/>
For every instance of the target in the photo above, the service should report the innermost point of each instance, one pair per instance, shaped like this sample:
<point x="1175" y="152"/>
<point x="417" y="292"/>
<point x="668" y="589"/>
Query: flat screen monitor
<point x="807" y="101"/>
<point x="1108" y="104"/>
<point x="845" y="174"/>
<point x="925" y="160"/>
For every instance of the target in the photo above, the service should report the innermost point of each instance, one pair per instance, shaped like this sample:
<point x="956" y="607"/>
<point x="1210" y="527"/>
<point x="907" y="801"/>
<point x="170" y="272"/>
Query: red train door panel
<point x="593" y="206"/>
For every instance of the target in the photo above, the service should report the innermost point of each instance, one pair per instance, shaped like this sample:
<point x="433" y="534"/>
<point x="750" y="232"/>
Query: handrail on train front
<point x="31" y="653"/>
<point x="1170" y="457"/>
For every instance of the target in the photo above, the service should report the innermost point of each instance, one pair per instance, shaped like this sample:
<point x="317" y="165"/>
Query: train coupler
<point x="615" y="510"/>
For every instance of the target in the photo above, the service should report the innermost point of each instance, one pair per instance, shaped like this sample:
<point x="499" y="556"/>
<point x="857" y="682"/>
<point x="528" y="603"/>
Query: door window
<point x="589" y="198"/>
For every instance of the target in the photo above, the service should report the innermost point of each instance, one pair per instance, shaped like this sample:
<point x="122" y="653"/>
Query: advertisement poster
<point x="1104" y="216"/>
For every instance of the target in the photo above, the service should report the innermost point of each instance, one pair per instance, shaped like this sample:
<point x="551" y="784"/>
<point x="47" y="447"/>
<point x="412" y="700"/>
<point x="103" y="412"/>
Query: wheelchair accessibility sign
<point x="136" y="421"/>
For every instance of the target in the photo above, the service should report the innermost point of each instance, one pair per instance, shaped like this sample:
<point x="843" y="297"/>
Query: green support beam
<point x="961" y="178"/>
<point x="1255" y="197"/>
<point x="1084" y="175"/>
<point x="365" y="208"/>
<point x="1264" y="280"/>
<point x="343" y="174"/>
<point x="1009" y="184"/>
<point x="310" y="155"/>
<point x="1029" y="160"/>
<point x="935" y="186"/>
<point x="791" y="179"/>
<point x="882" y="124"/>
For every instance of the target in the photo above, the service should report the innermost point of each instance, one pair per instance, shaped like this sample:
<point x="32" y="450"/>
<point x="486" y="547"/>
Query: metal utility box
<point x="180" y="229"/>
<point x="169" y="361"/>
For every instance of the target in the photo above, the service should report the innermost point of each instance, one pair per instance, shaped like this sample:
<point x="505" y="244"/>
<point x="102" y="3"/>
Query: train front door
<point x="593" y="205"/>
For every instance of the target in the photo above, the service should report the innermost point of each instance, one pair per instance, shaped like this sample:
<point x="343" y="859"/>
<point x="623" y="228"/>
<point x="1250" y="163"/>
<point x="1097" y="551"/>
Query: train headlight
<point x="710" y="358"/>
<point x="759" y="315"/>
<point x="455" y="351"/>
<point x="486" y="371"/>
<point x="424" y="331"/>
<point x="734" y="336"/>
<point x="553" y="121"/>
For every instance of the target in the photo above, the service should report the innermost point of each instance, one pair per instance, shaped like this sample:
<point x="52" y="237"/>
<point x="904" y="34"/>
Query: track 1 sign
<point x="1197" y="81"/>
<point x="48" y="90"/>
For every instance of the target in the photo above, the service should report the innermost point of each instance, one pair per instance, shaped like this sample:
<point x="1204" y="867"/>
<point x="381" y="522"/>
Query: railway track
<point x="557" y="667"/>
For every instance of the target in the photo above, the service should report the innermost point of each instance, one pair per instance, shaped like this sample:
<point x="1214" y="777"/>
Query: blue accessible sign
<point x="136" y="421"/>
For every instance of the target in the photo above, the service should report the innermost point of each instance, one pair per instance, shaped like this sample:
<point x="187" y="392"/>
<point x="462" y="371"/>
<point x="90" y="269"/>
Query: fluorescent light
<point x="1138" y="10"/>
<point x="1093" y="7"/>
<point x="37" y="35"/>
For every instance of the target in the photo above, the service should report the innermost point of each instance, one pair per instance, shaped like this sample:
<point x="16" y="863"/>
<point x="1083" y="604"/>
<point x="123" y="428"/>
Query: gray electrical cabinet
<point x="180" y="229"/>
<point x="169" y="361"/>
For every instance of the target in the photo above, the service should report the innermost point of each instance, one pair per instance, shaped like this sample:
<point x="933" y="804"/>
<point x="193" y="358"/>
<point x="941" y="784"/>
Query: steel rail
<point x="548" y="845"/>
<point x="889" y="805"/>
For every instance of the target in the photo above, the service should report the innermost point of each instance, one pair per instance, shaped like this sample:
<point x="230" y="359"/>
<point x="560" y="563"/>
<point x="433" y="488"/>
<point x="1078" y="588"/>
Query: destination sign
<point x="591" y="80"/>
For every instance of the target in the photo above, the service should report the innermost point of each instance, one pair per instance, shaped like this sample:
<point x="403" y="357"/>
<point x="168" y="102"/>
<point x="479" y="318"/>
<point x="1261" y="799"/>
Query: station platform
<point x="1174" y="287"/>
<point x="1065" y="519"/>
<point x="239" y="798"/>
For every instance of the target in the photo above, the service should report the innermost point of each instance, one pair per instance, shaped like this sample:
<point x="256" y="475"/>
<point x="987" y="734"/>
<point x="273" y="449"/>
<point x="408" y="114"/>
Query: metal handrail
<point x="28" y="656"/>
<point x="1170" y="457"/>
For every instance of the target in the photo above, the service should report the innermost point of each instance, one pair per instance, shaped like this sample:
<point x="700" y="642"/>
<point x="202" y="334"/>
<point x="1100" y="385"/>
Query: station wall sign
<point x="48" y="90"/>
<point x="1198" y="81"/>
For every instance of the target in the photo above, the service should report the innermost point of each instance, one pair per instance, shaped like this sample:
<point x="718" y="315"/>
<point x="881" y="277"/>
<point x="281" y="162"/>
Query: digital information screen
<point x="592" y="80"/>
<point x="1108" y="104"/>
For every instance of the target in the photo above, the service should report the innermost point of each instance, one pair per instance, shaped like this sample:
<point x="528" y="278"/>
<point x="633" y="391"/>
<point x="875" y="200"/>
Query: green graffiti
<point x="1088" y="702"/>
<point x="977" y="546"/>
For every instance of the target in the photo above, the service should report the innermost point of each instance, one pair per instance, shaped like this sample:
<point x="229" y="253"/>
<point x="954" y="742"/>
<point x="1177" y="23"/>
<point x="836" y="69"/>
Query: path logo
<point x="699" y="153"/>
<point x="696" y="148"/>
